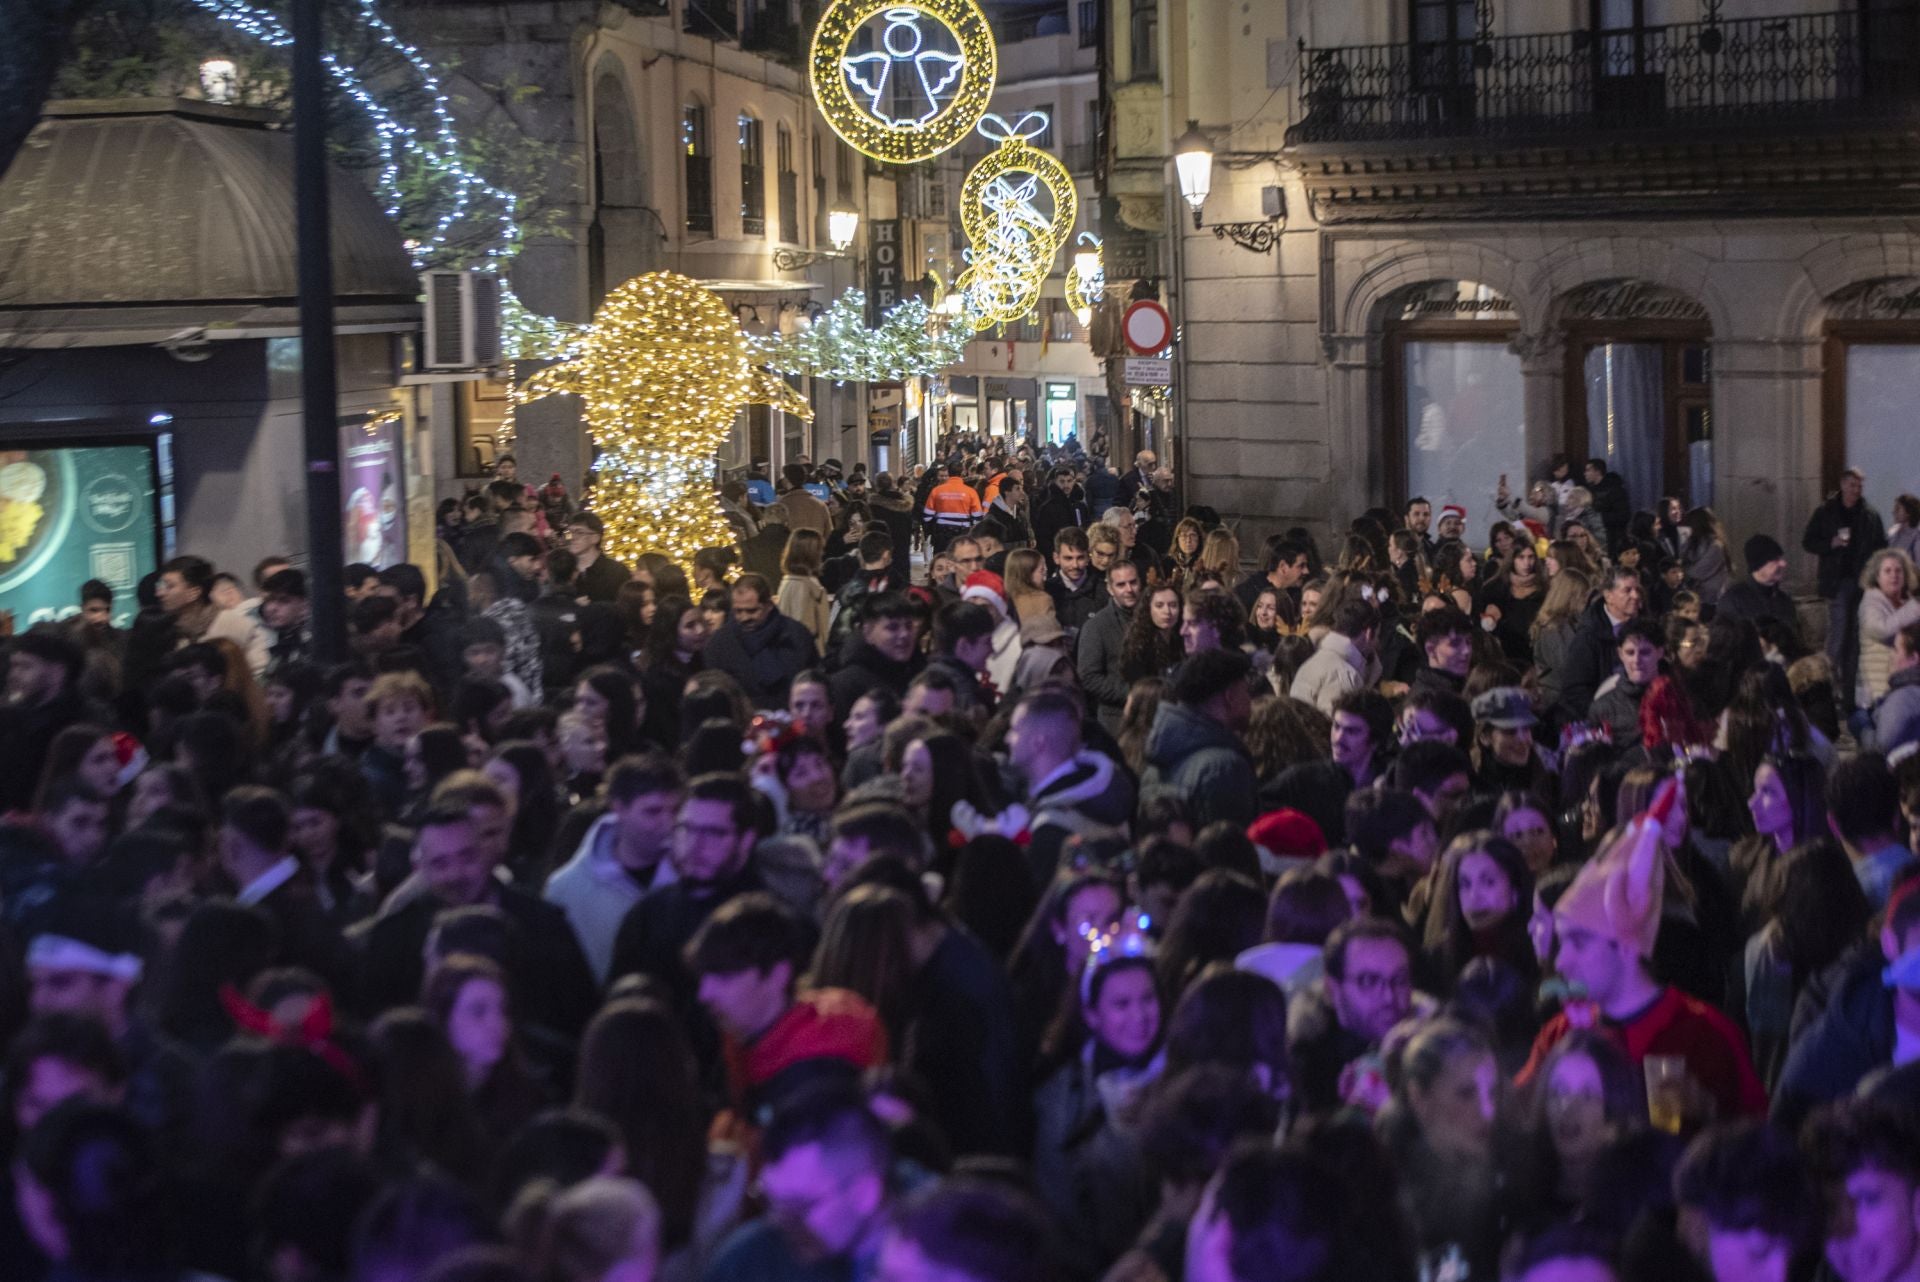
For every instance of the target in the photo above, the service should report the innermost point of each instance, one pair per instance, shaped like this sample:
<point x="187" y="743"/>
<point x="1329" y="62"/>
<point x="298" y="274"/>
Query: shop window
<point x="1462" y="423"/>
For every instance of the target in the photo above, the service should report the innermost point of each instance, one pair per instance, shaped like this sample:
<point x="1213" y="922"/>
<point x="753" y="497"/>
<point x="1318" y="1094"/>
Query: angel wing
<point x="937" y="71"/>
<point x="869" y="72"/>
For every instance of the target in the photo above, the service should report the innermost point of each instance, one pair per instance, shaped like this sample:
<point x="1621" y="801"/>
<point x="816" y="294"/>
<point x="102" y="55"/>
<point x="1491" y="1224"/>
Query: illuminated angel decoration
<point x="926" y="74"/>
<point x="664" y="371"/>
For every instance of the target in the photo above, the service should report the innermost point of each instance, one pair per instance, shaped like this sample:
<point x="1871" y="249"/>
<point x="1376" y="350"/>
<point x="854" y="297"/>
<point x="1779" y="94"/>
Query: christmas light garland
<point x="436" y="154"/>
<point x="664" y="370"/>
<point x="911" y="342"/>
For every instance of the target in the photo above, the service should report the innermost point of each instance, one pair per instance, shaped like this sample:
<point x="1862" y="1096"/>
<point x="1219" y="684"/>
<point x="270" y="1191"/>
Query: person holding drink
<point x="1605" y="926"/>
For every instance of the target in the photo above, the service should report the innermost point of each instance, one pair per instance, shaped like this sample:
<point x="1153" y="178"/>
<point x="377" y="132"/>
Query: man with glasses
<point x="968" y="556"/>
<point x="719" y="821"/>
<point x="1369" y="989"/>
<point x="598" y="576"/>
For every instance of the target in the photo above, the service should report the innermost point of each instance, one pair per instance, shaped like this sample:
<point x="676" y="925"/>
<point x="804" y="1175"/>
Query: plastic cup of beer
<point x="1666" y="1091"/>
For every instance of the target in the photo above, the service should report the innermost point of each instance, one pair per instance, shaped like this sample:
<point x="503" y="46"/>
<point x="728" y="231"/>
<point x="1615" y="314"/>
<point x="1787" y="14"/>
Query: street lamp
<point x="843" y="220"/>
<point x="1193" y="162"/>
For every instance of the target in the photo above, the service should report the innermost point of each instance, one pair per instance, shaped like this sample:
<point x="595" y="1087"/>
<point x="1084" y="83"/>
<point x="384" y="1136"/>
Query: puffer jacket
<point x="1195" y="758"/>
<point x="1880" y="619"/>
<point x="1335" y="667"/>
<point x="1896" y="716"/>
<point x="766" y="659"/>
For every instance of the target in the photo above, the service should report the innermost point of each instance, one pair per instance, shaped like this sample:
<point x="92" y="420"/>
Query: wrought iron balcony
<point x="1746" y="73"/>
<point x="771" y="33"/>
<point x="714" y="19"/>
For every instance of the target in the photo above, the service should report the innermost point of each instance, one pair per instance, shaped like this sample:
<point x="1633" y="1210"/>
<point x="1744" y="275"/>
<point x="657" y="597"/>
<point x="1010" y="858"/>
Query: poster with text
<point x="373" y="508"/>
<point x="72" y="514"/>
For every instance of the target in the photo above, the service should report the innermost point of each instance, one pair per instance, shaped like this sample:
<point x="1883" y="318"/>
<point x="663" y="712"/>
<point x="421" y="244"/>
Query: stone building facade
<point x="1676" y="233"/>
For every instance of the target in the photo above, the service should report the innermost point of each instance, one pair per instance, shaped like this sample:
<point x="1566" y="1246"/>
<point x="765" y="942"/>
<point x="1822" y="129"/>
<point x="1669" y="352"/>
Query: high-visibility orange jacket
<point x="953" y="503"/>
<point x="992" y="491"/>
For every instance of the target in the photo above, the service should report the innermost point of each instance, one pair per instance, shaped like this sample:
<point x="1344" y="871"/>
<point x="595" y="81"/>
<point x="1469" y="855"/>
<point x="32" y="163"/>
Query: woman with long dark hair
<point x="469" y="997"/>
<point x="1483" y="894"/>
<point x="522" y="768"/>
<point x="1512" y="597"/>
<point x="329" y="834"/>
<point x="637" y="1069"/>
<point x="610" y="695"/>
<point x="1152" y="645"/>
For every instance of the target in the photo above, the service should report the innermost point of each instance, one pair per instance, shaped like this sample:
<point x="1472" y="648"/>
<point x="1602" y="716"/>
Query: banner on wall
<point x="69" y="514"/>
<point x="373" y="511"/>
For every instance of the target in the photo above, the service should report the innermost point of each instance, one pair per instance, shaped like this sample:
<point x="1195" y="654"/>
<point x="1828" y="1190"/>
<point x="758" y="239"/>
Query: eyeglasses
<point x="703" y="831"/>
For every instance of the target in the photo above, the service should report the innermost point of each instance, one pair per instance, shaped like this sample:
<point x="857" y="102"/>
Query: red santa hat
<point x="986" y="587"/>
<point x="1454" y="510"/>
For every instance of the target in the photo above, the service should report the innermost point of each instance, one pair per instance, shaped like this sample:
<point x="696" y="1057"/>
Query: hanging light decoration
<point x="916" y="92"/>
<point x="1013" y="238"/>
<point x="664" y="370"/>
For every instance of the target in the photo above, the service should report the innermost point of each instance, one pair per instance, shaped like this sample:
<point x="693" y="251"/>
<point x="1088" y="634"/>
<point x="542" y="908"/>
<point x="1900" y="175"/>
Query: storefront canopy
<point x="141" y="220"/>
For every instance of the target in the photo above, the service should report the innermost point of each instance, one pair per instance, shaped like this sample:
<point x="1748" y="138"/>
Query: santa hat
<point x="1288" y="834"/>
<point x="132" y="757"/>
<point x="1617" y="893"/>
<point x="1454" y="510"/>
<point x="987" y="588"/>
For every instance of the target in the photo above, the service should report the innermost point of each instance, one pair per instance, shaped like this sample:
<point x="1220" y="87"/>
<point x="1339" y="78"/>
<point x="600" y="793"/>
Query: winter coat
<point x="1098" y="659"/>
<point x="764" y="660"/>
<point x="1753" y="602"/>
<point x="1905" y="538"/>
<point x="897" y="513"/>
<point x="1552" y="648"/>
<point x="802" y="598"/>
<point x="1610" y="501"/>
<point x="1074" y="606"/>
<point x="1091" y="796"/>
<point x="1896" y="716"/>
<point x="864" y="669"/>
<point x="1200" y="761"/>
<point x="1840" y="566"/>
<point x="1852" y="1038"/>
<point x="1087" y="1165"/>
<point x="1880" y="619"/>
<point x="1053" y="512"/>
<point x="1591" y="659"/>
<point x="595" y="892"/>
<point x="1618" y="709"/>
<point x="1335" y="667"/>
<point x="1707" y="571"/>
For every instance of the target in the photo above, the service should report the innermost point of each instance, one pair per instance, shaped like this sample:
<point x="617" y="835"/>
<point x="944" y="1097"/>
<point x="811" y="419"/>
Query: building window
<point x="693" y="140"/>
<point x="1045" y="141"/>
<point x="753" y="178"/>
<point x="1442" y="67"/>
<point x="1145" y="38"/>
<point x="1089" y="23"/>
<point x="819" y="190"/>
<point x="789" y="178"/>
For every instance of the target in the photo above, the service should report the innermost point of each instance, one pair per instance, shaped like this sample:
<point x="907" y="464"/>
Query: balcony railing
<point x="753" y="200"/>
<point x="700" y="195"/>
<point x="1846" y="64"/>
<point x="790" y="208"/>
<point x="714" y="19"/>
<point x="771" y="33"/>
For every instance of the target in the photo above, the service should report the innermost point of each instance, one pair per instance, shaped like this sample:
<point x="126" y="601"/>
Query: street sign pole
<point x="319" y="398"/>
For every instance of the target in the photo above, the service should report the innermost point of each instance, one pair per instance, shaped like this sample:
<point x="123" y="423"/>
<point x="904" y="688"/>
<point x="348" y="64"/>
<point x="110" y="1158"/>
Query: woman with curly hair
<point x="1286" y="732"/>
<point x="1152" y="645"/>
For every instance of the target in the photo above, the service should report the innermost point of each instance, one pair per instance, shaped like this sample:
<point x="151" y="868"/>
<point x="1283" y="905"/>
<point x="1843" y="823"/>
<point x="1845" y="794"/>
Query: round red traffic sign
<point x="1147" y="327"/>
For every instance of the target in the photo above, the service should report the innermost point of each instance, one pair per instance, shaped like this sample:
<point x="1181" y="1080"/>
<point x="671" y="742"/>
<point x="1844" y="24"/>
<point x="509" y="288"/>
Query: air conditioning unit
<point x="463" y="320"/>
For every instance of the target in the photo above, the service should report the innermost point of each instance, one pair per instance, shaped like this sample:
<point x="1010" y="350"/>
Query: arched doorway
<point x="1455" y="397"/>
<point x="618" y="239"/>
<point x="1870" y="382"/>
<point x="1639" y="388"/>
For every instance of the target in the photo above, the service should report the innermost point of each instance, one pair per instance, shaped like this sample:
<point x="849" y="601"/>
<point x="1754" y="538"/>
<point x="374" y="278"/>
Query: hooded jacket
<point x="1195" y="758"/>
<point x="766" y="659"/>
<point x="595" y="892"/>
<point x="896" y="512"/>
<point x="1087" y="796"/>
<point x="1336" y="666"/>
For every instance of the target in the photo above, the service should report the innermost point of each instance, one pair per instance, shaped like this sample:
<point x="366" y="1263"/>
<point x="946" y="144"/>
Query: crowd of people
<point x="993" y="873"/>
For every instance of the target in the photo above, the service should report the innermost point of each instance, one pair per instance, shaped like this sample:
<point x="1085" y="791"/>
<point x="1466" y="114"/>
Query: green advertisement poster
<point x="72" y="514"/>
